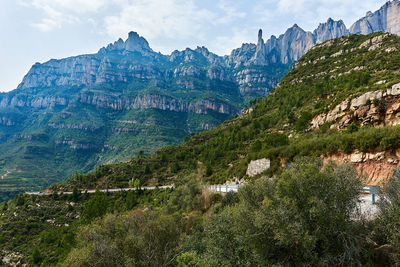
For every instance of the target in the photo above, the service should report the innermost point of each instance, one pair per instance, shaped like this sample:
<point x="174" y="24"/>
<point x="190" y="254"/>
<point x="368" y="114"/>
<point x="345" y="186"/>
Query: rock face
<point x="386" y="19"/>
<point x="288" y="47"/>
<point x="277" y="53"/>
<point x="375" y="108"/>
<point x="330" y="30"/>
<point x="376" y="167"/>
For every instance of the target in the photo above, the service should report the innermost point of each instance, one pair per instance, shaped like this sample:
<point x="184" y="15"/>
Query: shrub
<point x="352" y="128"/>
<point x="303" y="122"/>
<point x="304" y="217"/>
<point x="388" y="221"/>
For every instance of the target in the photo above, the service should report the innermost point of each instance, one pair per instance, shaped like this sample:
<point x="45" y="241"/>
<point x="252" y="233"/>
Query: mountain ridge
<point x="77" y="108"/>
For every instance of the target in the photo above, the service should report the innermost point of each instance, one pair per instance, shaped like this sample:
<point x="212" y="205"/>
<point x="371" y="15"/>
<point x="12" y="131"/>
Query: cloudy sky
<point x="38" y="30"/>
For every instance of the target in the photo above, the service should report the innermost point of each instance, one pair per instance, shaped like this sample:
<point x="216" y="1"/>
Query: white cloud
<point x="60" y="12"/>
<point x="73" y="6"/>
<point x="177" y="19"/>
<point x="230" y="13"/>
<point x="223" y="45"/>
<point x="309" y="13"/>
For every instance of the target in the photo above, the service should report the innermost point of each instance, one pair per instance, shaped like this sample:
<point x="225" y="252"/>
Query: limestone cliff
<point x="386" y="19"/>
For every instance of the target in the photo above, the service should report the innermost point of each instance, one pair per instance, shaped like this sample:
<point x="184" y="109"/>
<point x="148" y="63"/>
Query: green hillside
<point x="300" y="212"/>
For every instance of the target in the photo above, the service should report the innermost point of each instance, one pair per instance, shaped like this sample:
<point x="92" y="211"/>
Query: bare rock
<point x="256" y="167"/>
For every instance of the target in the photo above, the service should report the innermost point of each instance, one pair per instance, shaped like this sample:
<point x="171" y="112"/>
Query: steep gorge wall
<point x="147" y="101"/>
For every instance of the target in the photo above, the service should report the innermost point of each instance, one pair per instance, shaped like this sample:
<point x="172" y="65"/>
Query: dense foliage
<point x="306" y="215"/>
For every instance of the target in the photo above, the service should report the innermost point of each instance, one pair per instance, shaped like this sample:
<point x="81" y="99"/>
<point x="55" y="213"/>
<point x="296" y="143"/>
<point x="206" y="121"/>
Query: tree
<point x="352" y="128"/>
<point x="137" y="184"/>
<point x="75" y="195"/>
<point x="190" y="259"/>
<point x="20" y="199"/>
<point x="96" y="207"/>
<point x="141" y="153"/>
<point x="147" y="169"/>
<point x="36" y="256"/>
<point x="130" y="200"/>
<point x="304" y="217"/>
<point x="139" y="239"/>
<point x="303" y="122"/>
<point x="5" y="206"/>
<point x="388" y="221"/>
<point x="209" y="170"/>
<point x="256" y="146"/>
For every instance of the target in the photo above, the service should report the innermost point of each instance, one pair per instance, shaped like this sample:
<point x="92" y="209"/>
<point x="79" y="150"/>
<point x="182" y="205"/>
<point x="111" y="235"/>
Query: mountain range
<point x="73" y="114"/>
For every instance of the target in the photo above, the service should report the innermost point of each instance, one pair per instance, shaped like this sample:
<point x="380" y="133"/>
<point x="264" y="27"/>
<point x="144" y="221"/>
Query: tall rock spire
<point x="260" y="55"/>
<point x="260" y="39"/>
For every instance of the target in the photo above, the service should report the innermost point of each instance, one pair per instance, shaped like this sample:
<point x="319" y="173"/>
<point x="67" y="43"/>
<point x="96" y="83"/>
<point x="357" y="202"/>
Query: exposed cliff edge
<point x="386" y="19"/>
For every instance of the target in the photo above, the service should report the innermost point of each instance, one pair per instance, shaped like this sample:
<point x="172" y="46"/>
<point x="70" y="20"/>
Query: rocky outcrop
<point x="386" y="19"/>
<point x="240" y="56"/>
<point x="83" y="127"/>
<point x="82" y="146"/>
<point x="330" y="30"/>
<point x="6" y="121"/>
<point x="375" y="167"/>
<point x="85" y="70"/>
<point x="32" y="101"/>
<point x="275" y="53"/>
<point x="122" y="61"/>
<point x="157" y="102"/>
<point x="376" y="108"/>
<point x="134" y="43"/>
<point x="288" y="47"/>
<point x="199" y="55"/>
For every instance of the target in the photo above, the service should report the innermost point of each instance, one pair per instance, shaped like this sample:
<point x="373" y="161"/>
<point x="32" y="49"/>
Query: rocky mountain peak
<point x="329" y="30"/>
<point x="134" y="43"/>
<point x="386" y="19"/>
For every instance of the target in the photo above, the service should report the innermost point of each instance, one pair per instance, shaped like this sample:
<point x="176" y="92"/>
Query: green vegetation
<point x="295" y="213"/>
<point x="43" y="228"/>
<point x="305" y="215"/>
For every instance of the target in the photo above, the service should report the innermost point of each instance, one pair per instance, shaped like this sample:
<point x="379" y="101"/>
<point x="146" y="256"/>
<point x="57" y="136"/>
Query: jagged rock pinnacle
<point x="260" y="39"/>
<point x="133" y="34"/>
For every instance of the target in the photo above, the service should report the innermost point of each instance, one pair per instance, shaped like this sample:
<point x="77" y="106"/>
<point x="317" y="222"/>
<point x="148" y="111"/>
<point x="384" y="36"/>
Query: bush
<point x="96" y="207"/>
<point x="352" y="128"/>
<point x="388" y="221"/>
<point x="36" y="256"/>
<point x="303" y="122"/>
<point x="136" y="239"/>
<point x="230" y="199"/>
<point x="304" y="217"/>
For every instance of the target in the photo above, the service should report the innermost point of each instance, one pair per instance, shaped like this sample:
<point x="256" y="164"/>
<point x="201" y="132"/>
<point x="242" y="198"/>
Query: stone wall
<point x="256" y="167"/>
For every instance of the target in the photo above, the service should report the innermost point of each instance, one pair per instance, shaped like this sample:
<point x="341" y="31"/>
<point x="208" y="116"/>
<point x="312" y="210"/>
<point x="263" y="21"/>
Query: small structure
<point x="256" y="167"/>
